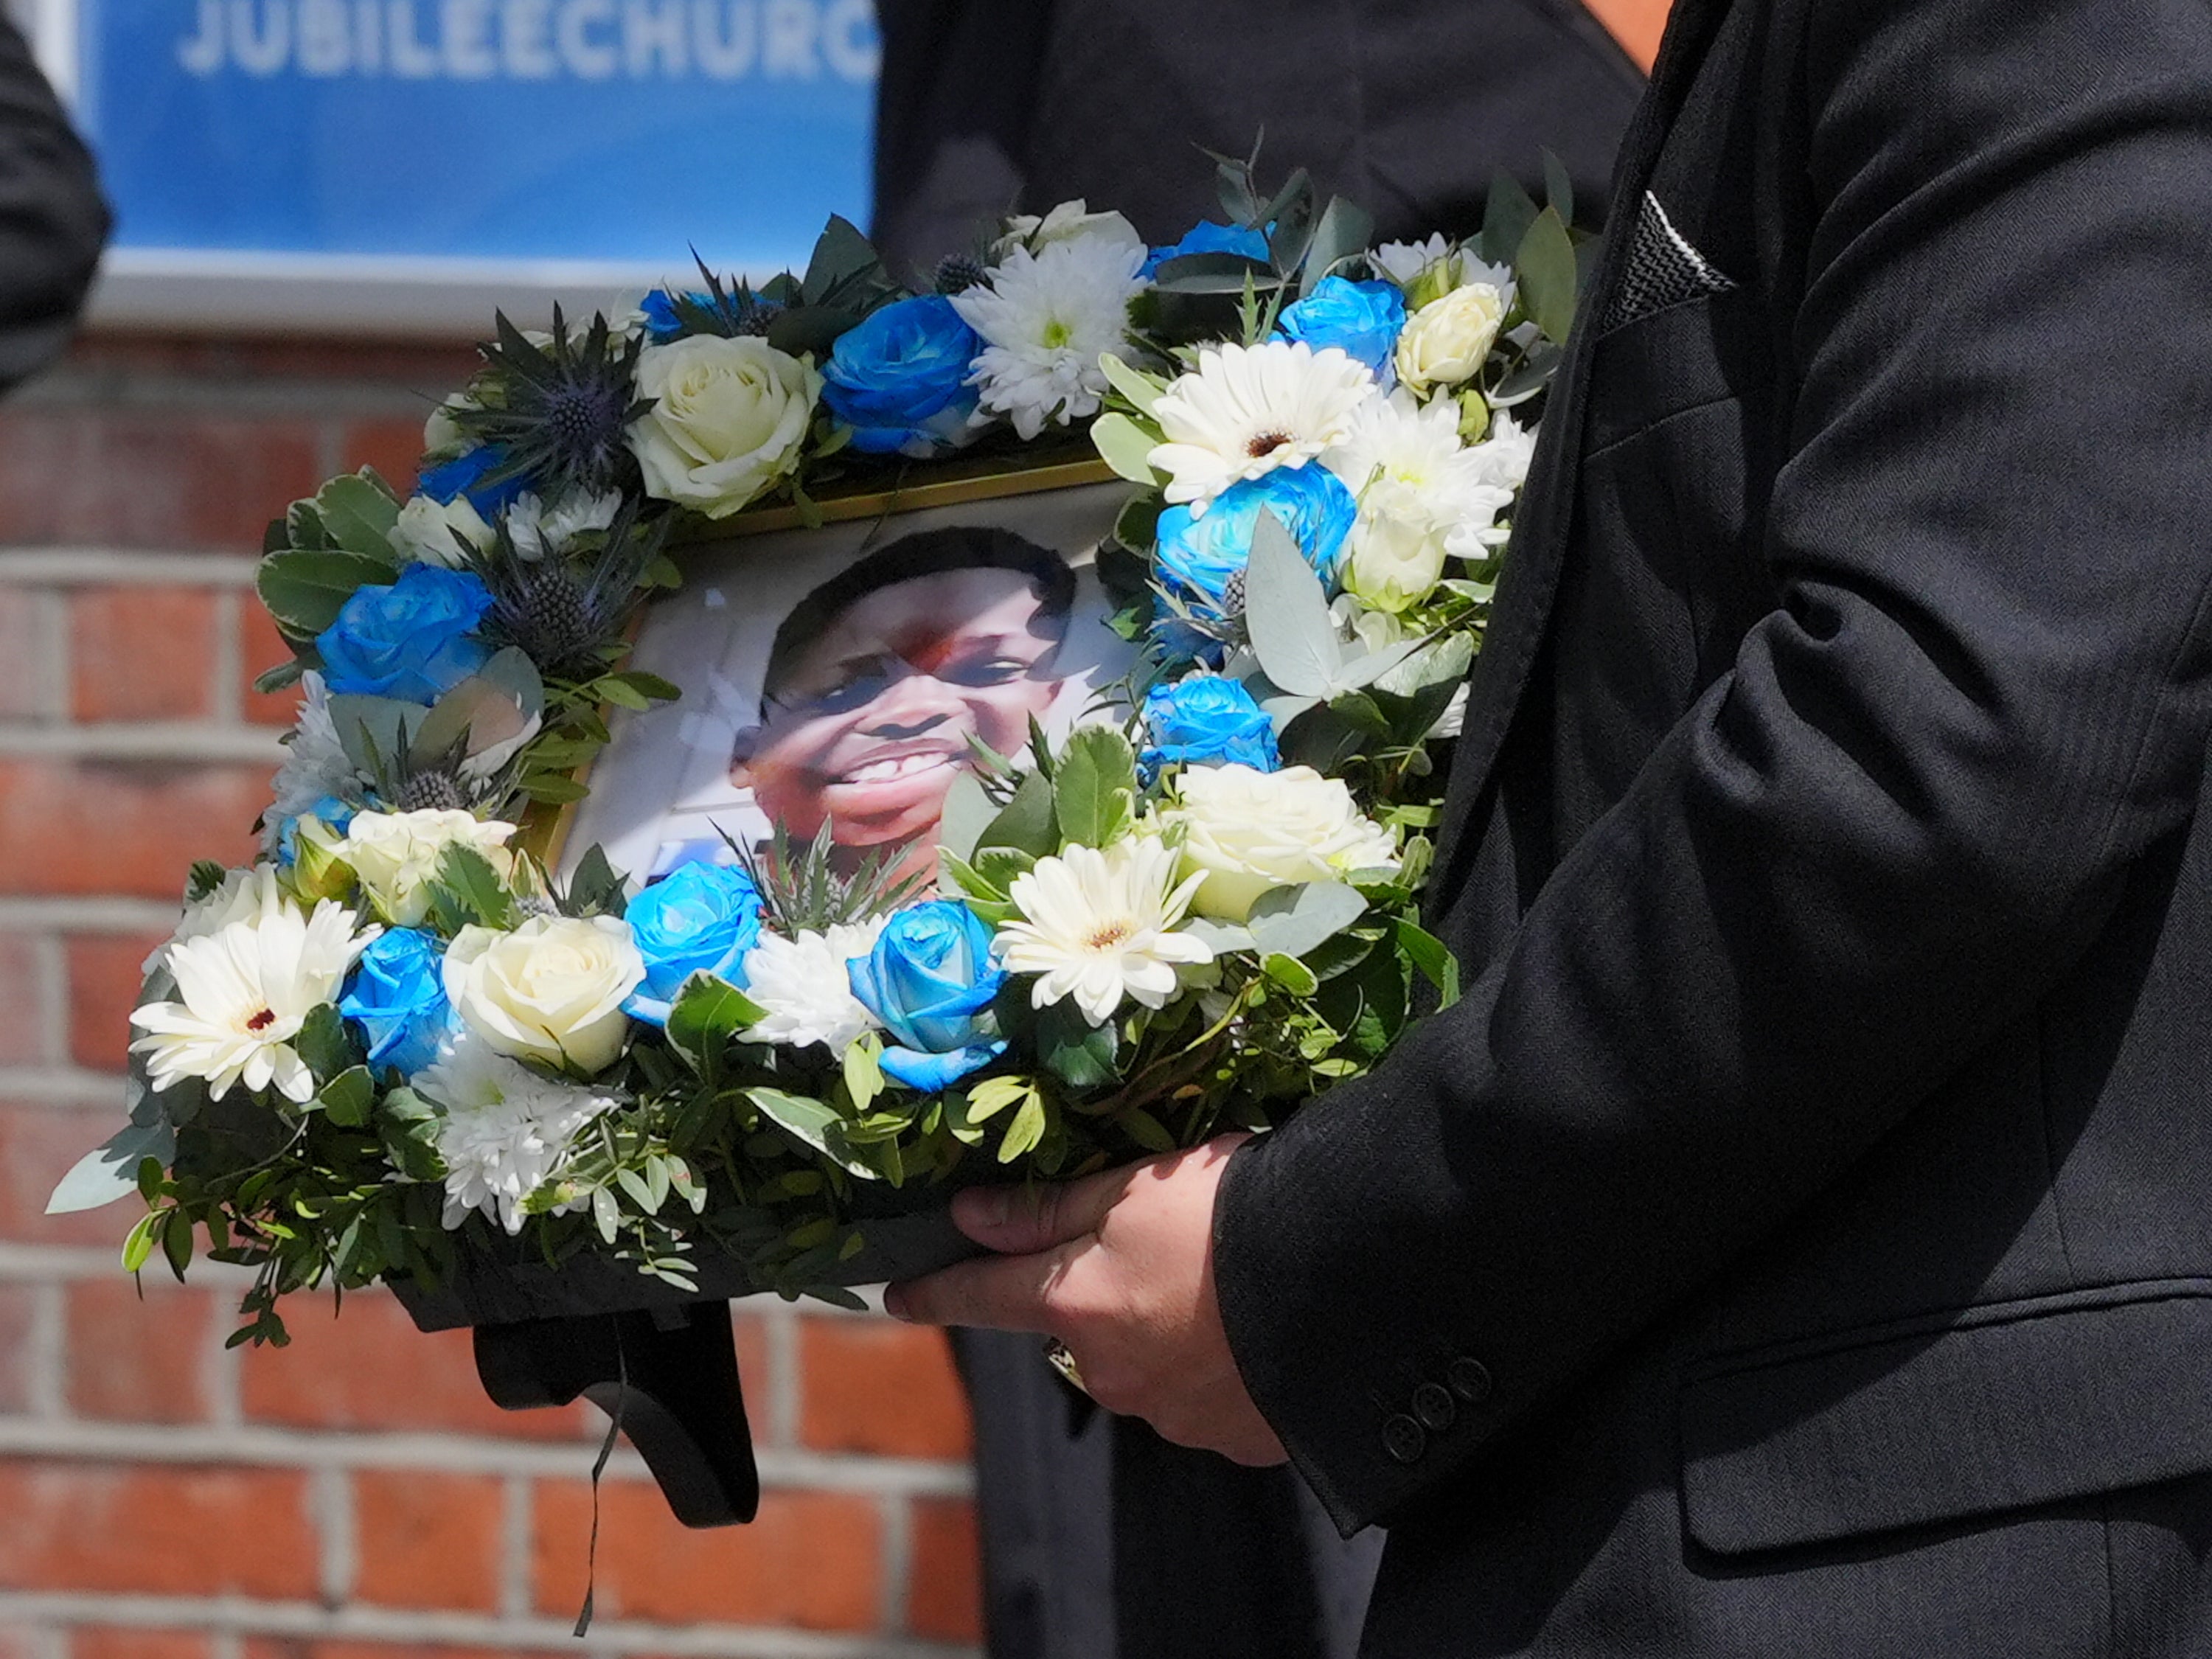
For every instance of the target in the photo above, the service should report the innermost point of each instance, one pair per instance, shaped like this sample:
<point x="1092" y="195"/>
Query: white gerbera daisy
<point x="315" y="765"/>
<point x="245" y="990"/>
<point x="1101" y="927"/>
<point x="1246" y="410"/>
<point x="1046" y="319"/>
<point x="506" y="1132"/>
<point x="805" y="989"/>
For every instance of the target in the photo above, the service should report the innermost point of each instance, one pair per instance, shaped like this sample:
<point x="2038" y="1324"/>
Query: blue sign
<point x="605" y="130"/>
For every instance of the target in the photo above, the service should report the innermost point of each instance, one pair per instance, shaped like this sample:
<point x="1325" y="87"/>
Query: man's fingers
<point x="1022" y="1221"/>
<point x="998" y="1293"/>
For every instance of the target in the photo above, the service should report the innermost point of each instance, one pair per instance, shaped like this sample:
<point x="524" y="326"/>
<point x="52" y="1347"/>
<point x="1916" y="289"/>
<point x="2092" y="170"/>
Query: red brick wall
<point x="353" y="1497"/>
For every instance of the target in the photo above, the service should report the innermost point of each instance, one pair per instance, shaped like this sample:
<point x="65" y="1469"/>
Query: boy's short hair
<point x="911" y="558"/>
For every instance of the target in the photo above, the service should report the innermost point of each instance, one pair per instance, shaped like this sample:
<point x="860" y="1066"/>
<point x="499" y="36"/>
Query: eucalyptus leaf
<point x="1223" y="937"/>
<point x="111" y="1171"/>
<point x="1286" y="612"/>
<point x="1214" y="274"/>
<point x="1141" y="389"/>
<point x="375" y="731"/>
<point x="1530" y="379"/>
<point x="1126" y="447"/>
<point x="1558" y="188"/>
<point x="1506" y="218"/>
<point x="967" y="812"/>
<point x="1345" y="229"/>
<point x="1293" y="921"/>
<point x="1546" y="265"/>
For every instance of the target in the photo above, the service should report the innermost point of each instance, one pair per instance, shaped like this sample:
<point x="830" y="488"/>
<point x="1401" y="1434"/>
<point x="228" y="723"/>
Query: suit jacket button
<point x="1470" y="1379"/>
<point x="1404" y="1439"/>
<point x="1435" y="1407"/>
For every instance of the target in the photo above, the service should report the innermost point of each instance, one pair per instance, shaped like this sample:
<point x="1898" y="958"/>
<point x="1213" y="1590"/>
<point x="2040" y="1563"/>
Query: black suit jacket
<point x="53" y="221"/>
<point x="1404" y="106"/>
<point x="1799" y="1240"/>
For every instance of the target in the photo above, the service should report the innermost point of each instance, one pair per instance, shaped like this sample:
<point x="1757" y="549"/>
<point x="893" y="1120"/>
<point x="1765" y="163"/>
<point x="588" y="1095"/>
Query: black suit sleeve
<point x="54" y="221"/>
<point x="1888" y="827"/>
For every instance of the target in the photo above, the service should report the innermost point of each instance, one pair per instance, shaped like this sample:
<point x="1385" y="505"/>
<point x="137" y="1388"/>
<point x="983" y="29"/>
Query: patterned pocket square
<point x="1664" y="269"/>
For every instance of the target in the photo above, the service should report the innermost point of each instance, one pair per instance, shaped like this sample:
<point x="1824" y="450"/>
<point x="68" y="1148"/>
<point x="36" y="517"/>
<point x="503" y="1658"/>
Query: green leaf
<point x="812" y="1123"/>
<point x="706" y="1017"/>
<point x="597" y="888"/>
<point x="471" y="879"/>
<point x="1293" y="921"/>
<point x="606" y="1214"/>
<point x="1141" y="389"/>
<point x="305" y="592"/>
<point x="1558" y="188"/>
<point x="863" y="1069"/>
<point x="138" y="1244"/>
<point x="284" y="675"/>
<point x="966" y="813"/>
<point x="1506" y="218"/>
<point x="349" y="1099"/>
<point x="1095" y="789"/>
<point x="651" y="686"/>
<point x="994" y="1095"/>
<point x="1546" y="264"/>
<point x="1147" y="1131"/>
<point x="177" y="1243"/>
<point x="1214" y="275"/>
<point x="1078" y="1053"/>
<point x="203" y="879"/>
<point x="1026" y="1132"/>
<point x="1028" y="823"/>
<point x="1345" y="229"/>
<point x="1291" y="974"/>
<point x="553" y="789"/>
<point x="325" y="1044"/>
<point x="618" y="691"/>
<point x="357" y="513"/>
<point x="1432" y="958"/>
<point x="1286" y="610"/>
<point x="1126" y="447"/>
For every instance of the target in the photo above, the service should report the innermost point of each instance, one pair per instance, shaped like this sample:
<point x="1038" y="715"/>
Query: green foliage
<point x="1094" y="792"/>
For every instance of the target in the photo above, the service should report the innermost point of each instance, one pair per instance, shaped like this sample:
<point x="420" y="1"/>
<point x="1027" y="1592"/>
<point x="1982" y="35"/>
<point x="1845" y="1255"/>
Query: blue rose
<point x="662" y="325"/>
<point x="397" y="997"/>
<point x="1361" y="319"/>
<point x="1207" y="237"/>
<point x="414" y="640"/>
<point x="1203" y="560"/>
<point x="930" y="980"/>
<point x="703" y="918"/>
<point x="463" y="476"/>
<point x="899" y="379"/>
<point x="333" y="813"/>
<point x="1208" y="721"/>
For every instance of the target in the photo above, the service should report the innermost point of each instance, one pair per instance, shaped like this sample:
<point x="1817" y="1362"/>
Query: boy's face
<point x="871" y="724"/>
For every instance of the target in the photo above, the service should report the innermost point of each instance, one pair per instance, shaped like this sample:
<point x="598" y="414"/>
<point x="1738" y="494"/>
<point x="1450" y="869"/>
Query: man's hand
<point x="1120" y="1267"/>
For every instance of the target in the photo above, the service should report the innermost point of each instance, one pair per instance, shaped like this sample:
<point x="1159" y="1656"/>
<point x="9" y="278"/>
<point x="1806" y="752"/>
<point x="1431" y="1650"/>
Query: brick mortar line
<point x="75" y="1440"/>
<point x="38" y="914"/>
<point x="63" y="1085"/>
<point x="335" y="401"/>
<point x="179" y="743"/>
<point x="235" y="1616"/>
<point x="64" y="566"/>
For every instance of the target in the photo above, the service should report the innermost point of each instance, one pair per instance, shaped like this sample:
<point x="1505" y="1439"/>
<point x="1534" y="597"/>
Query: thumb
<point x="1024" y="1219"/>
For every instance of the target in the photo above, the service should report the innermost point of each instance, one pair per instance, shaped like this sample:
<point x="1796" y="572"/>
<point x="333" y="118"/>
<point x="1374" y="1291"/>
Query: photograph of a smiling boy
<point x="879" y="679"/>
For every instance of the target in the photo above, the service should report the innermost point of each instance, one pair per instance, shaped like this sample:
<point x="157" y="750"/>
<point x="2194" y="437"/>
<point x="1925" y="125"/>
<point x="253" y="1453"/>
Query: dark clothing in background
<point x="1797" y="1240"/>
<point x="1100" y="1540"/>
<point x="52" y="219"/>
<point x="1407" y="107"/>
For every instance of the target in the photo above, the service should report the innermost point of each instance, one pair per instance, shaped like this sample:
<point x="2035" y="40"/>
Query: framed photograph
<point x="837" y="675"/>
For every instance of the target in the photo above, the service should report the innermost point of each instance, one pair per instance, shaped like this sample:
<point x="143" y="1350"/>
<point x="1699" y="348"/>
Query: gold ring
<point x="1057" y="1356"/>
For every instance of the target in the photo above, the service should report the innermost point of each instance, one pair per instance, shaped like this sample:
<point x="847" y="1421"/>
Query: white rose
<point x="396" y="855"/>
<point x="1249" y="832"/>
<point x="440" y="533"/>
<point x="551" y="990"/>
<point x="1448" y="340"/>
<point x="1395" y="553"/>
<point x="727" y="419"/>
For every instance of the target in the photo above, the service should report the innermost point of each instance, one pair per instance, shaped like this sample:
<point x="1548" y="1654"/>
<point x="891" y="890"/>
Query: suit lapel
<point x="1531" y="578"/>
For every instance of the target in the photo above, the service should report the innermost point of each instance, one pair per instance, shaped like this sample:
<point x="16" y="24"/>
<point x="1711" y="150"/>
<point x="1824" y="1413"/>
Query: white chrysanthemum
<point x="315" y="765"/>
<point x="1407" y="263"/>
<point x="537" y="530"/>
<point x="1423" y="496"/>
<point x="244" y="991"/>
<point x="506" y="1132"/>
<point x="802" y="986"/>
<point x="1247" y="410"/>
<point x="1068" y="222"/>
<point x="1502" y="460"/>
<point x="1101" y="927"/>
<point x="1046" y="319"/>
